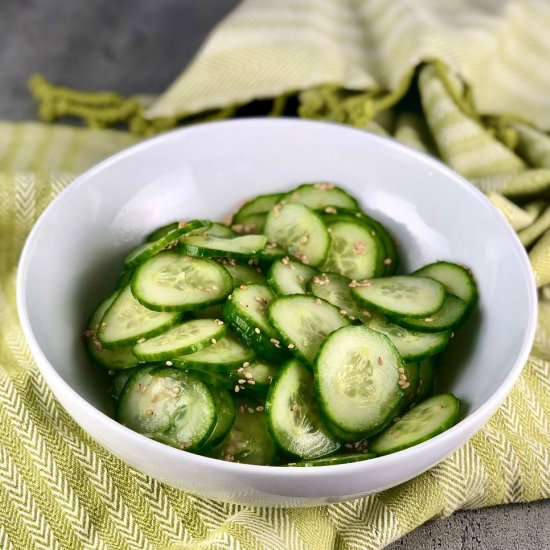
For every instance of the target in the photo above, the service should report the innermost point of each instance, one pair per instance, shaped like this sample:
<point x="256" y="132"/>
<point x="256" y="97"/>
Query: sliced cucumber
<point x="126" y="321"/>
<point x="253" y="223"/>
<point x="225" y="416"/>
<point x="391" y="259"/>
<point x="210" y="312"/>
<point x="450" y="317"/>
<point x="253" y="377"/>
<point x="181" y="339"/>
<point x="300" y="231"/>
<point x="456" y="279"/>
<point x="168" y="405"/>
<point x="160" y="232"/>
<point x="259" y="205"/>
<point x="354" y="251"/>
<point x="149" y="249"/>
<point x="303" y="323"/>
<point x="376" y="229"/>
<point x="113" y="359"/>
<point x="220" y="230"/>
<point x="412" y="345"/>
<point x="357" y="380"/>
<point x="426" y="420"/>
<point x="249" y="440"/>
<point x="288" y="276"/>
<point x="335" y="289"/>
<point x="223" y="356"/>
<point x="321" y="195"/>
<point x="412" y="379"/>
<point x="246" y="314"/>
<point x="426" y="379"/>
<point x="268" y="255"/>
<point x="242" y="247"/>
<point x="402" y="295"/>
<point x="293" y="414"/>
<point x="243" y="274"/>
<point x="172" y="282"/>
<point x="119" y="381"/>
<point x="331" y="460"/>
<point x="125" y="279"/>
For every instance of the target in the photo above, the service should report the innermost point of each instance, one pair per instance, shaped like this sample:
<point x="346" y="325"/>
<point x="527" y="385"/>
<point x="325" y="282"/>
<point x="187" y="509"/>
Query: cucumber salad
<point x="286" y="338"/>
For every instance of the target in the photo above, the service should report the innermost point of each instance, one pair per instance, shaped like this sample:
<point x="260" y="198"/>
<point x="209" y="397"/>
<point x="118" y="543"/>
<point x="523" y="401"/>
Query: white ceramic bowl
<point x="73" y="256"/>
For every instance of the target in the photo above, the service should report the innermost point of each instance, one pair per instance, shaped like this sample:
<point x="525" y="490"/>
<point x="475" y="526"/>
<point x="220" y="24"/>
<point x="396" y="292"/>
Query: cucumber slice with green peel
<point x="160" y="232"/>
<point x="426" y="420"/>
<point x="357" y="380"/>
<point x="335" y="289"/>
<point x="300" y="231"/>
<point x="402" y="295"/>
<point x="456" y="279"/>
<point x="168" y="405"/>
<point x="272" y="252"/>
<point x="321" y="195"/>
<point x="119" y="381"/>
<point x="112" y="359"/>
<point x="220" y="230"/>
<point x="331" y="460"/>
<point x="181" y="339"/>
<point x="413" y="346"/>
<point x="287" y="276"/>
<point x="251" y="377"/>
<point x="243" y="274"/>
<point x="426" y="379"/>
<point x="253" y="223"/>
<point x="210" y="312"/>
<point x="293" y="414"/>
<point x="225" y="415"/>
<point x="354" y="251"/>
<point x="126" y="321"/>
<point x="412" y="379"/>
<point x="149" y="249"/>
<point x="249" y="441"/>
<point x="125" y="279"/>
<point x="391" y="259"/>
<point x="259" y="205"/>
<point x="242" y="247"/>
<point x="303" y="322"/>
<point x="450" y="317"/>
<point x="172" y="282"/>
<point x="246" y="314"/>
<point x="226" y="354"/>
<point x="386" y="241"/>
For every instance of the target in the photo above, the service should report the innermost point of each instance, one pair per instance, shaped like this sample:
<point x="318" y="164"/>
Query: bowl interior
<point x="75" y="253"/>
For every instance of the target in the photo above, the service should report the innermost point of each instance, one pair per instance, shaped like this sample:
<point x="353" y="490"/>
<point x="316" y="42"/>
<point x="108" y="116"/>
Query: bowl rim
<point x="471" y="423"/>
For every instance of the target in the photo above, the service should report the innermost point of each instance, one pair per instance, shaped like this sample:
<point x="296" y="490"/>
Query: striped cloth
<point x="348" y="61"/>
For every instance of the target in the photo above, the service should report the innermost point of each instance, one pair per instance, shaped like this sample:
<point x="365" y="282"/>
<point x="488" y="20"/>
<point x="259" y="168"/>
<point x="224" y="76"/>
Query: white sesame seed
<point x="257" y="330"/>
<point x="242" y="381"/>
<point x="237" y="389"/>
<point x="259" y="408"/>
<point x="428" y="320"/>
<point x="169" y="363"/>
<point x="251" y="382"/>
<point x="246" y="364"/>
<point x="214" y="341"/>
<point x="291" y="346"/>
<point x="248" y="375"/>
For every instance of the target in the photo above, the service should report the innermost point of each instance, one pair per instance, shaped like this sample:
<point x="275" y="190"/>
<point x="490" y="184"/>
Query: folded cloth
<point x="455" y="80"/>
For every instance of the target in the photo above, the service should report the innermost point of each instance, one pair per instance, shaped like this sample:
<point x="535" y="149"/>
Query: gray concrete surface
<point x="140" y="46"/>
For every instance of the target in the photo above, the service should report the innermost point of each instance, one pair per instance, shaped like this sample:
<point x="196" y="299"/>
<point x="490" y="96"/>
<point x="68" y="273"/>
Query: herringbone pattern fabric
<point x="352" y="62"/>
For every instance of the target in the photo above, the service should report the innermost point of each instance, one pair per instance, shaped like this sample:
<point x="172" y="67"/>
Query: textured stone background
<point x="139" y="46"/>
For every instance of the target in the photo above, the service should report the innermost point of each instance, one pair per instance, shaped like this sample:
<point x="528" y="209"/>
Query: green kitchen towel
<point x="465" y="81"/>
